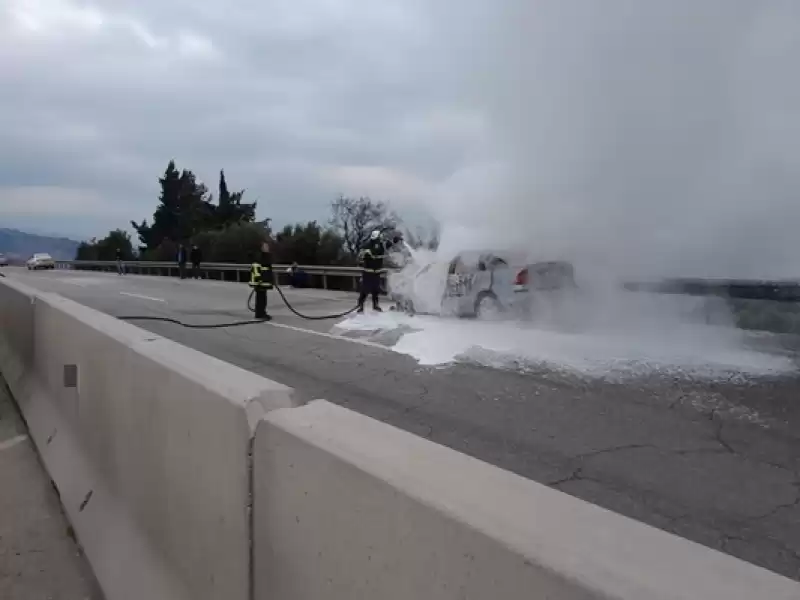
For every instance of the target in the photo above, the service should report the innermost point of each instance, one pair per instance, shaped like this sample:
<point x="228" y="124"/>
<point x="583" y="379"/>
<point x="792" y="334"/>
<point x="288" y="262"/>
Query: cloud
<point x="101" y="95"/>
<point x="35" y="200"/>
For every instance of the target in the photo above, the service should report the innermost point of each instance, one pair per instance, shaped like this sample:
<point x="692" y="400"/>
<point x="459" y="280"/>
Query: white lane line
<point x="331" y="336"/>
<point x="15" y="441"/>
<point x="142" y="296"/>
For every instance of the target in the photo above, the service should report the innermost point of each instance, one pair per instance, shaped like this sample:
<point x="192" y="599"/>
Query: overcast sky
<point x="645" y="134"/>
<point x="297" y="101"/>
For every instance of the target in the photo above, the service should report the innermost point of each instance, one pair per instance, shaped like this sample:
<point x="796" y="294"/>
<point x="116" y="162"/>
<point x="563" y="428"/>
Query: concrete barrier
<point x="349" y="508"/>
<point x="148" y="443"/>
<point x="16" y="333"/>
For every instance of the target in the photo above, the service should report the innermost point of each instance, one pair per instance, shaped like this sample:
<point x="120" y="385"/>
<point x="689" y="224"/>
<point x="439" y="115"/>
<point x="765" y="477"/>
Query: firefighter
<point x="372" y="258"/>
<point x="261" y="280"/>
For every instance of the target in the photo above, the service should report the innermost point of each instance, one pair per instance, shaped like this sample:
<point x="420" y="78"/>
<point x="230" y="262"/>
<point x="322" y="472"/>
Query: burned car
<point x="483" y="284"/>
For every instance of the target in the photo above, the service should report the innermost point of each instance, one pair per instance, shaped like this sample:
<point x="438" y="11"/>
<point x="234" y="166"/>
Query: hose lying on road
<point x="237" y="323"/>
<point x="192" y="325"/>
<point x="307" y="317"/>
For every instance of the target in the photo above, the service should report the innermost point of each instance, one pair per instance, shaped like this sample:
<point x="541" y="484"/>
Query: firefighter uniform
<point x="261" y="280"/>
<point x="372" y="258"/>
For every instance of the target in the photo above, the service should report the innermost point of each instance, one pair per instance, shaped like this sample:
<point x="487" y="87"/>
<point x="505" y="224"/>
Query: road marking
<point x="142" y="296"/>
<point x="331" y="336"/>
<point x="15" y="441"/>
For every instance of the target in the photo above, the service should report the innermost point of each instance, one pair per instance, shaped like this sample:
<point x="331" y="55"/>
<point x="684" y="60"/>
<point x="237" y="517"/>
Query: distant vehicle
<point x="3" y="260"/>
<point x="40" y="261"/>
<point x="491" y="285"/>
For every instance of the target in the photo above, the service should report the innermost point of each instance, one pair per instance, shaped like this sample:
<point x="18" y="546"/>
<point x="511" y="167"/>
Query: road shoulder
<point x="39" y="557"/>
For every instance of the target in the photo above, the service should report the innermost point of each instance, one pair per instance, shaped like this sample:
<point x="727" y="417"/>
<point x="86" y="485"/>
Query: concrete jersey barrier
<point x="16" y="333"/>
<point x="148" y="443"/>
<point x="349" y="508"/>
<point x="188" y="478"/>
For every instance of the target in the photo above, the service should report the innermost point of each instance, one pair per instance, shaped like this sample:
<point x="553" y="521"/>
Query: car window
<point x="465" y="267"/>
<point x="457" y="266"/>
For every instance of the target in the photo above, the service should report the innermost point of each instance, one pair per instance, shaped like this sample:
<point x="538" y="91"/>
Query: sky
<point x="637" y="136"/>
<point x="298" y="102"/>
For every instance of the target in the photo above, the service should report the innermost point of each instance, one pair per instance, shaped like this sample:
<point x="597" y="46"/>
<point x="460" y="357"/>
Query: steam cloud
<point x="645" y="138"/>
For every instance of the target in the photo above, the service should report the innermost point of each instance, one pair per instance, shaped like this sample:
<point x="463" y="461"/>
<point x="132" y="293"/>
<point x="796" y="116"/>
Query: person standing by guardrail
<point x="120" y="266"/>
<point x="182" y="261"/>
<point x="196" y="257"/>
<point x="297" y="276"/>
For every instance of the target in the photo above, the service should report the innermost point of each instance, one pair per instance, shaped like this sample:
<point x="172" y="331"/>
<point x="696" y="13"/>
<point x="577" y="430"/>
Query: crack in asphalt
<point x="423" y="400"/>
<point x="779" y="508"/>
<point x="574" y="476"/>
<point x="719" y="437"/>
<point x="671" y="521"/>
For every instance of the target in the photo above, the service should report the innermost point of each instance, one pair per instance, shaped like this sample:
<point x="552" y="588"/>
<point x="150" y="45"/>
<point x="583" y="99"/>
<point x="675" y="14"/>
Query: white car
<point x="484" y="284"/>
<point x="40" y="261"/>
<point x="3" y="260"/>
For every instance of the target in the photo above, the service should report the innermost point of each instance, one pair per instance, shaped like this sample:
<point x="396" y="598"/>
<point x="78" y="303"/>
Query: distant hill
<point x="21" y="245"/>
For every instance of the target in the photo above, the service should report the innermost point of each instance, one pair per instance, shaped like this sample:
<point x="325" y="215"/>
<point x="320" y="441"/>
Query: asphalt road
<point x="673" y="453"/>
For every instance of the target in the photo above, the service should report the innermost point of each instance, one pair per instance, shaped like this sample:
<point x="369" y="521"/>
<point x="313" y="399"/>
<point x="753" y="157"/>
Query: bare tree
<point x="356" y="218"/>
<point x="424" y="237"/>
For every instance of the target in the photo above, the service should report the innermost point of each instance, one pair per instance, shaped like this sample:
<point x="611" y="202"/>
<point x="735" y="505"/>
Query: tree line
<point x="225" y="228"/>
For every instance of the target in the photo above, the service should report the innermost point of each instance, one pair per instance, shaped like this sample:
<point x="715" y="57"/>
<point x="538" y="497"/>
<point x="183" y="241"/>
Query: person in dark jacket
<point x="182" y="260"/>
<point x="196" y="256"/>
<point x="120" y="266"/>
<point x="372" y="259"/>
<point x="261" y="280"/>
<point x="297" y="276"/>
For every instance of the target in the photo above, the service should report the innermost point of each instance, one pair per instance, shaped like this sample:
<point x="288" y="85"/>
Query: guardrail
<point x="346" y="278"/>
<point x="744" y="289"/>
<point x="325" y="277"/>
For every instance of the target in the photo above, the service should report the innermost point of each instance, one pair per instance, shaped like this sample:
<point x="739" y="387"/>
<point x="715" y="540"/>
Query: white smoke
<point x="646" y="138"/>
<point x="634" y="138"/>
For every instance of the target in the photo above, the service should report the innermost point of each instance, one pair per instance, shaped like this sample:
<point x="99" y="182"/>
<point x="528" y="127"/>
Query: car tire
<point x="488" y="307"/>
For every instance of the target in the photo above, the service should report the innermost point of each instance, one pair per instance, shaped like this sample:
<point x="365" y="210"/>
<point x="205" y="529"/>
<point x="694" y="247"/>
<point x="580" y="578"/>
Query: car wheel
<point x="488" y="308"/>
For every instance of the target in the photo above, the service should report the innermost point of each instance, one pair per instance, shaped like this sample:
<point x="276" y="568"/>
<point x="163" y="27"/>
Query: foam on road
<point x="696" y="351"/>
<point x="713" y="460"/>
